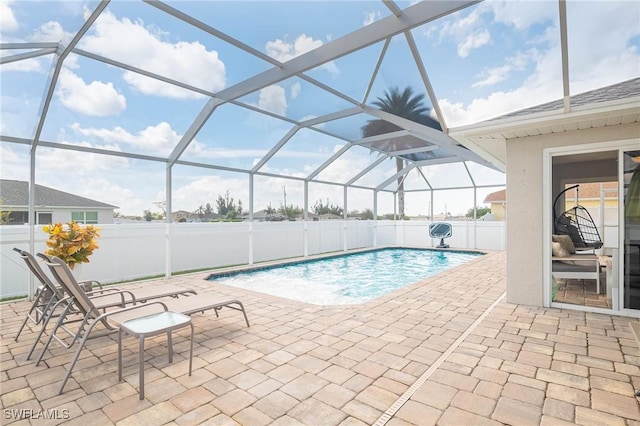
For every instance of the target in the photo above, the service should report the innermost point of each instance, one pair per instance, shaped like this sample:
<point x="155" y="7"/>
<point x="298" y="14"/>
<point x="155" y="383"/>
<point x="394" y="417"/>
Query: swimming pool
<point x="348" y="279"/>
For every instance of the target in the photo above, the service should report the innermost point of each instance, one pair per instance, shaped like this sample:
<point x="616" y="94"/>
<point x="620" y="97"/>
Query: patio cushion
<point x="565" y="241"/>
<point x="558" y="250"/>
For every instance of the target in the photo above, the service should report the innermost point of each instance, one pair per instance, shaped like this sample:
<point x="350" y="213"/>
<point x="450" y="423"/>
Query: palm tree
<point x="405" y="104"/>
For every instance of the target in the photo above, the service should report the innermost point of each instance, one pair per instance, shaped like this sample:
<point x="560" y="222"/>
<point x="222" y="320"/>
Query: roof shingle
<point x="16" y="193"/>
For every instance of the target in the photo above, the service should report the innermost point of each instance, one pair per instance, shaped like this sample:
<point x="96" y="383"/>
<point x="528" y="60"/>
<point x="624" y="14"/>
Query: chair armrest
<point x="92" y="282"/>
<point x="122" y="294"/>
<point x="578" y="257"/>
<point x="103" y="291"/>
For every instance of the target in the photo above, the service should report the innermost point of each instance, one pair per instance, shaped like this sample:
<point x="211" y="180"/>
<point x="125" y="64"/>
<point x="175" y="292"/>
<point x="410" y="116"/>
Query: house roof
<point x="623" y="90"/>
<point x="617" y="104"/>
<point x="585" y="191"/>
<point x="16" y="193"/>
<point x="590" y="190"/>
<point x="496" y="197"/>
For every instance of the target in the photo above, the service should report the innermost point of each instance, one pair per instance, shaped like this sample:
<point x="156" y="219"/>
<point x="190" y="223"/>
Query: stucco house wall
<point x="525" y="189"/>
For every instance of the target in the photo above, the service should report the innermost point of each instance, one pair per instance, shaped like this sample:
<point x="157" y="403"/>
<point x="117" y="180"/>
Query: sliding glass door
<point x="631" y="230"/>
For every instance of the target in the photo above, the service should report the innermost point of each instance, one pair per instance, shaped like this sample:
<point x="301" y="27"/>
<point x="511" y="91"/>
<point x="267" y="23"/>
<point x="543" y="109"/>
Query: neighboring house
<point x="51" y="205"/>
<point x="498" y="204"/>
<point x="589" y="197"/>
<point x="182" y="214"/>
<point x="590" y="137"/>
<point x="328" y="216"/>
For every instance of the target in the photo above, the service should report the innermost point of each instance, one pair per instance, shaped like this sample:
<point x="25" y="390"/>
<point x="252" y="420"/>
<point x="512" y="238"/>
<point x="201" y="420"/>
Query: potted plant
<point x="73" y="243"/>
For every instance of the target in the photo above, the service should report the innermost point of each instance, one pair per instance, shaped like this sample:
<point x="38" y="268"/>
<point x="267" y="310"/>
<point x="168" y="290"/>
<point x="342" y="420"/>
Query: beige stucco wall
<point x="525" y="180"/>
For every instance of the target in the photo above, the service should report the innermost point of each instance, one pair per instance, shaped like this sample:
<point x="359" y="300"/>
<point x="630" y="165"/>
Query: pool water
<point x="349" y="279"/>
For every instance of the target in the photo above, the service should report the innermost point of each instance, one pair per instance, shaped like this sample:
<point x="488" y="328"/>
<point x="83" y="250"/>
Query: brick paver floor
<point x="448" y="350"/>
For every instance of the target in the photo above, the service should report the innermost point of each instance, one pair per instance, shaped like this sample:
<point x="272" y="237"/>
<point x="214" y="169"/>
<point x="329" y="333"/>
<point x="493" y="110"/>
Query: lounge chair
<point x="51" y="298"/>
<point x="47" y="294"/>
<point x="110" y="321"/>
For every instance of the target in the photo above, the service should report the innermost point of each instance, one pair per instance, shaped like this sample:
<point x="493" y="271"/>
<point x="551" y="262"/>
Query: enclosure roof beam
<point x="376" y="70"/>
<point x="425" y="80"/>
<point x="382" y="137"/>
<point x="142" y="72"/>
<point x="275" y="149"/>
<point x="57" y="66"/>
<point x="39" y="45"/>
<point x="414" y="16"/>
<point x="367" y="169"/>
<point x="27" y="55"/>
<point x="326" y="164"/>
<point x="393" y="7"/>
<point x="436" y="161"/>
<point x="425" y="178"/>
<point x="210" y="30"/>
<point x="414" y="150"/>
<point x="330" y="117"/>
<point x="430" y="135"/>
<point x="402" y="172"/>
<point x="564" y="50"/>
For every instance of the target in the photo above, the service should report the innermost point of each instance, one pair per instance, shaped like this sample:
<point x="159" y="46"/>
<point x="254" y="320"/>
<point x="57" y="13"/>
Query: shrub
<point x="73" y="243"/>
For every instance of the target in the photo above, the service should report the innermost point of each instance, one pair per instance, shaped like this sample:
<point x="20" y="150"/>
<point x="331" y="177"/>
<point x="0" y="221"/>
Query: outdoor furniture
<point x="152" y="325"/>
<point x="112" y="320"/>
<point x="52" y="298"/>
<point x="584" y="267"/>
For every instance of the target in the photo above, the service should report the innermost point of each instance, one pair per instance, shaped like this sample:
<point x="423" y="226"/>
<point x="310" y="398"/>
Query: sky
<point x="482" y="61"/>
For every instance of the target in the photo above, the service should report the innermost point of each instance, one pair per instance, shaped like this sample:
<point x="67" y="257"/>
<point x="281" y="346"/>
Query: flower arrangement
<point x="73" y="243"/>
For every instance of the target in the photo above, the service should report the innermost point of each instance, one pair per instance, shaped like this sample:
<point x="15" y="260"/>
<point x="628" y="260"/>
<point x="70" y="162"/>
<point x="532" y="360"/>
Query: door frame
<point x="547" y="205"/>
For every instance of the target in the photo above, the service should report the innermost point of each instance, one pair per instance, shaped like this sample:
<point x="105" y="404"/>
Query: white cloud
<point x="160" y="138"/>
<point x="26" y="65"/>
<point x="14" y="161"/>
<point x="96" y="98"/>
<point x="523" y="15"/>
<point x="134" y="43"/>
<point x="50" y="31"/>
<point x="601" y="52"/>
<point x="495" y="75"/>
<point x="8" y="22"/>
<point x="50" y="160"/>
<point x="101" y="189"/>
<point x="295" y="89"/>
<point x="205" y="189"/>
<point x="273" y="99"/>
<point x="283" y="51"/>
<point x="468" y="32"/>
<point x="473" y="41"/>
<point x="371" y="17"/>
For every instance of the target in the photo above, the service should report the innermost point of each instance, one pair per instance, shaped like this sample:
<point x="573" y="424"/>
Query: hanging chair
<point x="577" y="223"/>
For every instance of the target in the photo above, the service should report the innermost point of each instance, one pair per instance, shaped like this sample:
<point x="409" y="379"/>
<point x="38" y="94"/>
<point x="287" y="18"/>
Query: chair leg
<point x="141" y="366"/>
<point x="48" y="314"/>
<point x="74" y="360"/>
<point x="191" y="349"/>
<point x="244" y="313"/>
<point x="34" y="307"/>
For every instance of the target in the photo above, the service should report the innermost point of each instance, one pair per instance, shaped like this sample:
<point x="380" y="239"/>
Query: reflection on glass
<point x="631" y="164"/>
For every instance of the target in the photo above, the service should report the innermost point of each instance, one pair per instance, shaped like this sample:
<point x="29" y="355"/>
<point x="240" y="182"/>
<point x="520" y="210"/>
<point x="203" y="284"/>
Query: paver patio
<point x="448" y="350"/>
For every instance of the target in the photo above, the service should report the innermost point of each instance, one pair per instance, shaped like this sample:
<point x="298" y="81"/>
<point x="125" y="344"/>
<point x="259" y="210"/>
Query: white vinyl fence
<point x="131" y="251"/>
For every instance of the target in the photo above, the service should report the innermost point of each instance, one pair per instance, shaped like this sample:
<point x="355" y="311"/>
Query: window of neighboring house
<point x="44" y="218"/>
<point x="85" y="217"/>
<point x="17" y="218"/>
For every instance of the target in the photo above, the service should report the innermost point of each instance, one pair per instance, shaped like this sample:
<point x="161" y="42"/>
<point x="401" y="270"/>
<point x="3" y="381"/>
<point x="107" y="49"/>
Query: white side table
<point x="151" y="325"/>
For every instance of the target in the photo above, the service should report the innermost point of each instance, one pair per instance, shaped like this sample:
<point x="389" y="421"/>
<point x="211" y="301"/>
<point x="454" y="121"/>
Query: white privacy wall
<point x="131" y="251"/>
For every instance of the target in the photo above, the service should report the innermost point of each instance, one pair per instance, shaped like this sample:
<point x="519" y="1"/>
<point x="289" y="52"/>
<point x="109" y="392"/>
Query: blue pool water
<point x="348" y="279"/>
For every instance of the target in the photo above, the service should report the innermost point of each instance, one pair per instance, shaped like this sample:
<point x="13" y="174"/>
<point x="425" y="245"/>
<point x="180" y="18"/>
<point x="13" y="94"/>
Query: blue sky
<point x="484" y="61"/>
